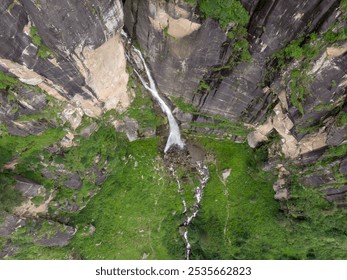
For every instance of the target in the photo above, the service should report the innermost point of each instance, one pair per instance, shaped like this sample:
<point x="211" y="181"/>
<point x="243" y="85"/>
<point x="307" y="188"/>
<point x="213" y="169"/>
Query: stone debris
<point x="282" y="184"/>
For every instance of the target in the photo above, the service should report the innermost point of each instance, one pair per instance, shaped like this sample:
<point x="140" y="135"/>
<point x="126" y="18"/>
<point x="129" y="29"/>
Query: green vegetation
<point x="185" y="107"/>
<point x="336" y="151"/>
<point x="225" y="11"/>
<point x="143" y="111"/>
<point x="30" y="251"/>
<point x="7" y="82"/>
<point x="229" y="12"/>
<point x="166" y="31"/>
<point x="137" y="210"/>
<point x="240" y="219"/>
<point x="306" y="49"/>
<point x="298" y="86"/>
<point x="38" y="200"/>
<point x="203" y="85"/>
<point x="9" y="198"/>
<point x="42" y="50"/>
<point x="342" y="119"/>
<point x="217" y="122"/>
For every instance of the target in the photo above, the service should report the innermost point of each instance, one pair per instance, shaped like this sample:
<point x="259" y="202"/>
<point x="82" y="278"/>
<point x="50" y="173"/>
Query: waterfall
<point x="174" y="135"/>
<point x="190" y="212"/>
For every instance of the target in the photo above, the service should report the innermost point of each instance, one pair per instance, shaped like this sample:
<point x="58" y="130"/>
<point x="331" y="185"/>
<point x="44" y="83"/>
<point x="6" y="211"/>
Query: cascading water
<point x="174" y="139"/>
<point x="174" y="135"/>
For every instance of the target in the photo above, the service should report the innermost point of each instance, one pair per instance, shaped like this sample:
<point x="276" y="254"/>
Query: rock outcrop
<point x="84" y="59"/>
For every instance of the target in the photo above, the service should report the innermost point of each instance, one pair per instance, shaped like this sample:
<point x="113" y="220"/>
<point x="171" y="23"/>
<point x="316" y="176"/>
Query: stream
<point x="134" y="56"/>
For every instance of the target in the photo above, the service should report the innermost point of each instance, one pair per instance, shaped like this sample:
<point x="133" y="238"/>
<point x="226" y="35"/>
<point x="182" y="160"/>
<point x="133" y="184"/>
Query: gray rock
<point x="336" y="135"/>
<point x="28" y="188"/>
<point x="10" y="224"/>
<point x="64" y="26"/>
<point x="87" y="131"/>
<point x="74" y="182"/>
<point x="317" y="179"/>
<point x="282" y="195"/>
<point x="182" y="116"/>
<point x="58" y="235"/>
<point x="131" y="129"/>
<point x="148" y="132"/>
<point x="236" y="93"/>
<point x="343" y="167"/>
<point x="89" y="230"/>
<point x="8" y="250"/>
<point x="196" y="151"/>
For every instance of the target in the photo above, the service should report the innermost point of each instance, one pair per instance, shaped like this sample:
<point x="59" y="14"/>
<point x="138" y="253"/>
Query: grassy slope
<point x="136" y="211"/>
<point x="241" y="220"/>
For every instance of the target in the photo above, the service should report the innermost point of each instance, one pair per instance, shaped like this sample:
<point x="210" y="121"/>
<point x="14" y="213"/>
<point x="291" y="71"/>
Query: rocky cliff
<point x="293" y="83"/>
<point x="70" y="49"/>
<point x="272" y="74"/>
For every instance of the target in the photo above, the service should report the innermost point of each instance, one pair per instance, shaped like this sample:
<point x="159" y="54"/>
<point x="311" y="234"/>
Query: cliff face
<point x="192" y="59"/>
<point x="64" y="45"/>
<point x="275" y="77"/>
<point x="180" y="63"/>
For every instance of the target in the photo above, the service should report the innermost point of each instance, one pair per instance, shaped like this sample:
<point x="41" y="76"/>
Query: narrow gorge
<point x="173" y="129"/>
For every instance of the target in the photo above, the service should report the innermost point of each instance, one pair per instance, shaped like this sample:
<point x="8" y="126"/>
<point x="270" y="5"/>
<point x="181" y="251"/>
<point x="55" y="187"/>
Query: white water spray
<point x="175" y="135"/>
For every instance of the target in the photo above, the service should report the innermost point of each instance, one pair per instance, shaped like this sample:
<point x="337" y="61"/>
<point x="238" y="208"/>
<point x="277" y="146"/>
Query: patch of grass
<point x="142" y="110"/>
<point x="341" y="119"/>
<point x="184" y="106"/>
<point x="38" y="200"/>
<point x="102" y="143"/>
<point x="336" y="151"/>
<point x="7" y="82"/>
<point x="28" y="147"/>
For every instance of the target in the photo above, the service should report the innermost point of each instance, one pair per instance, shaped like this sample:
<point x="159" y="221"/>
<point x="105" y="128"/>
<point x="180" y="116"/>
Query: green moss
<point x="42" y="50"/>
<point x="203" y="85"/>
<point x="336" y="151"/>
<point x="8" y="82"/>
<point x="191" y="2"/>
<point x="38" y="200"/>
<point x="299" y="88"/>
<point x="166" y="31"/>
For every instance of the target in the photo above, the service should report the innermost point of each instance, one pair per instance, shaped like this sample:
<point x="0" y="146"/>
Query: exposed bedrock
<point x="180" y="62"/>
<point x="84" y="43"/>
